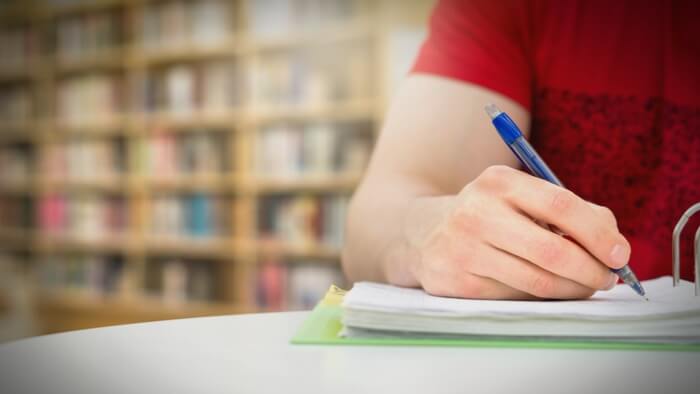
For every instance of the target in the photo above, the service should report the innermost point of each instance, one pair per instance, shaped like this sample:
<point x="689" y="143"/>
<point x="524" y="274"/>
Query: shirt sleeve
<point x="482" y="42"/>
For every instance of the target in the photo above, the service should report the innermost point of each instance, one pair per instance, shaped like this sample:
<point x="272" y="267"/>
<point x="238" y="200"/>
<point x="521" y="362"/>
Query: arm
<point x="435" y="207"/>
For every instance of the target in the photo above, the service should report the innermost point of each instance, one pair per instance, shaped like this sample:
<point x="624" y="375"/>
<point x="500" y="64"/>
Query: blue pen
<point x="522" y="149"/>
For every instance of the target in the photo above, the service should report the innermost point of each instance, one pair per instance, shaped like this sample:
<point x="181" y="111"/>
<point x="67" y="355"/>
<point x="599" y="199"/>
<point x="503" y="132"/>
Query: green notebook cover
<point x="323" y="325"/>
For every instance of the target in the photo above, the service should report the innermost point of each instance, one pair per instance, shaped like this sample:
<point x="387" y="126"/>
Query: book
<point x="89" y="98"/>
<point x="17" y="47"/>
<point x="275" y="18"/>
<point x="16" y="212"/>
<point x="304" y="221"/>
<point x="314" y="150"/>
<point x="192" y="216"/>
<point x="308" y="282"/>
<point x="174" y="24"/>
<point x="294" y="284"/>
<point x="86" y="275"/>
<point x="83" y="36"/>
<point x="15" y="164"/>
<point x="86" y="217"/>
<point x="311" y="78"/>
<point x="178" y="281"/>
<point x="15" y="105"/>
<point x="80" y="159"/>
<point x="672" y="315"/>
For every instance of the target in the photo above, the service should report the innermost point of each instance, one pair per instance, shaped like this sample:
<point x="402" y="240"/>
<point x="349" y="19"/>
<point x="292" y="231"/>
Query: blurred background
<point x="172" y="158"/>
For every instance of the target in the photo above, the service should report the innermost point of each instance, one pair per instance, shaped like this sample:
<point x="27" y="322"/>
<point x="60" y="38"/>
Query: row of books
<point x="212" y="87"/>
<point x="15" y="164"/>
<point x="177" y="24"/>
<point x="86" y="275"/>
<point x="84" y="160"/>
<point x="87" y="35"/>
<point x="15" y="104"/>
<point x="178" y="281"/>
<point x="17" y="46"/>
<point x="274" y="18"/>
<point x="193" y="216"/>
<point x="16" y="212"/>
<point x="199" y="154"/>
<point x="172" y="280"/>
<point x="303" y="221"/>
<point x="321" y="149"/>
<point x="216" y="87"/>
<point x="89" y="98"/>
<point x="312" y="77"/>
<point x="86" y="217"/>
<point x="294" y="285"/>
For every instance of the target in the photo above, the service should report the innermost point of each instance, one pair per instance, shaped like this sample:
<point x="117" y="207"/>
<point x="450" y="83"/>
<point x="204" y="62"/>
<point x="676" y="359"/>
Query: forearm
<point x="386" y="222"/>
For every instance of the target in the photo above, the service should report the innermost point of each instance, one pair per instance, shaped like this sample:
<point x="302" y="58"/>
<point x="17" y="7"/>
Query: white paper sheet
<point x="618" y="303"/>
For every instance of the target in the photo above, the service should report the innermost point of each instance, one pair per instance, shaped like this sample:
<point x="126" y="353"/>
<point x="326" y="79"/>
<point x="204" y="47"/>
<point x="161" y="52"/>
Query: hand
<point x="488" y="245"/>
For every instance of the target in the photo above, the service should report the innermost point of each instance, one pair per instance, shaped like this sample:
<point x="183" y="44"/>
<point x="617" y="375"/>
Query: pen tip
<point x="493" y="111"/>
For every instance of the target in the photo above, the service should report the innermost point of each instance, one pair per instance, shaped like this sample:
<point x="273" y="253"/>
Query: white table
<point x="251" y="354"/>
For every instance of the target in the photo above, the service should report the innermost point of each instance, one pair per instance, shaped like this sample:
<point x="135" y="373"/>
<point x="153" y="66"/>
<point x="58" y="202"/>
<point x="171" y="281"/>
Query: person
<point x="609" y="95"/>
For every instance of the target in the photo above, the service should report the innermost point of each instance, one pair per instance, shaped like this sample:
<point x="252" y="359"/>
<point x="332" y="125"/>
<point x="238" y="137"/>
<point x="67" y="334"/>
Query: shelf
<point x="112" y="125"/>
<point x="4" y="304"/>
<point x="290" y="251"/>
<point x="114" y="185"/>
<point x="309" y="183"/>
<point x="82" y="6"/>
<point x="218" y="248"/>
<point x="17" y="132"/>
<point x="141" y="56"/>
<point x="17" y="188"/>
<point x="345" y="110"/>
<point x="348" y="31"/>
<point x="212" y="184"/>
<point x="15" y="237"/>
<point x="25" y="74"/>
<point x="108" y="244"/>
<point x="108" y="60"/>
<point x="174" y="122"/>
<point x="69" y="310"/>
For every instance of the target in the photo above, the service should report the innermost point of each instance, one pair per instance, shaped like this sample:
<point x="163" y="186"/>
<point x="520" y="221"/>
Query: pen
<point x="522" y="149"/>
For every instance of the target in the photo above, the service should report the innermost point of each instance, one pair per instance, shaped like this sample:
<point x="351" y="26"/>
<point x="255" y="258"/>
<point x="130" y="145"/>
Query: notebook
<point x="672" y="315"/>
<point x="382" y="315"/>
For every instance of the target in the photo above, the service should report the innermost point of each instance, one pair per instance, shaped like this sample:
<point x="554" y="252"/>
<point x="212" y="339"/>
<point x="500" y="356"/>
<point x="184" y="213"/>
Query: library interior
<point x="163" y="159"/>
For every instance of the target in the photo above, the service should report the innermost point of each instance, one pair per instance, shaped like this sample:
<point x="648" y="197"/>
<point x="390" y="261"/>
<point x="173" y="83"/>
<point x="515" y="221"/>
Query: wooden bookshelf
<point x="234" y="253"/>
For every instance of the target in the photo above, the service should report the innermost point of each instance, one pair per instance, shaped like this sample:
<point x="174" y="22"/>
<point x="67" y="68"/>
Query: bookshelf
<point x="174" y="158"/>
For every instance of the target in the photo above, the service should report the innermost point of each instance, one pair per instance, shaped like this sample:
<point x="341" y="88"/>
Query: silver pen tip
<point x="493" y="111"/>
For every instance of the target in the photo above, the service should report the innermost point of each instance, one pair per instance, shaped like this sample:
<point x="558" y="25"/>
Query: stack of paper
<point x="672" y="315"/>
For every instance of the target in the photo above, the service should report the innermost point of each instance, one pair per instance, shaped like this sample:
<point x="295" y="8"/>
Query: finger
<point x="453" y="279"/>
<point x="605" y="213"/>
<point x="521" y="237"/>
<point x="524" y="276"/>
<point x="568" y="212"/>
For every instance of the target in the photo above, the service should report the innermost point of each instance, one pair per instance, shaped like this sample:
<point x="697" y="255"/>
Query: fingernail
<point x="620" y="255"/>
<point x="612" y="282"/>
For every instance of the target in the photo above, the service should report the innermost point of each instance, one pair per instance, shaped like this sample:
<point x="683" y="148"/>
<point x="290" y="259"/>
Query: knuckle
<point x="583" y="292"/>
<point x="466" y="220"/>
<point x="541" y="286"/>
<point x="609" y="215"/>
<point x="494" y="177"/>
<point x="551" y="252"/>
<point x="562" y="201"/>
<point x="603" y="235"/>
<point x="470" y="288"/>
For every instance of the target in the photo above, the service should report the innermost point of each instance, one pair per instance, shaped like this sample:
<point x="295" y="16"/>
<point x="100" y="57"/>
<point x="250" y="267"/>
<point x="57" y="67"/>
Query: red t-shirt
<point x="613" y="88"/>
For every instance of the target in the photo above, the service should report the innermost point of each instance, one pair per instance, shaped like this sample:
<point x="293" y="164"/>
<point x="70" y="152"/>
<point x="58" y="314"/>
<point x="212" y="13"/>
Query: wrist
<point x="401" y="263"/>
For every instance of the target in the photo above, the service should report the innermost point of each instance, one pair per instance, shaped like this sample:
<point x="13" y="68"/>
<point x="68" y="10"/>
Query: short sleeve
<point x="482" y="42"/>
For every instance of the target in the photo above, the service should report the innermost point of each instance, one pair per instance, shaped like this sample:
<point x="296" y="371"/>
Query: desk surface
<point x="252" y="354"/>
